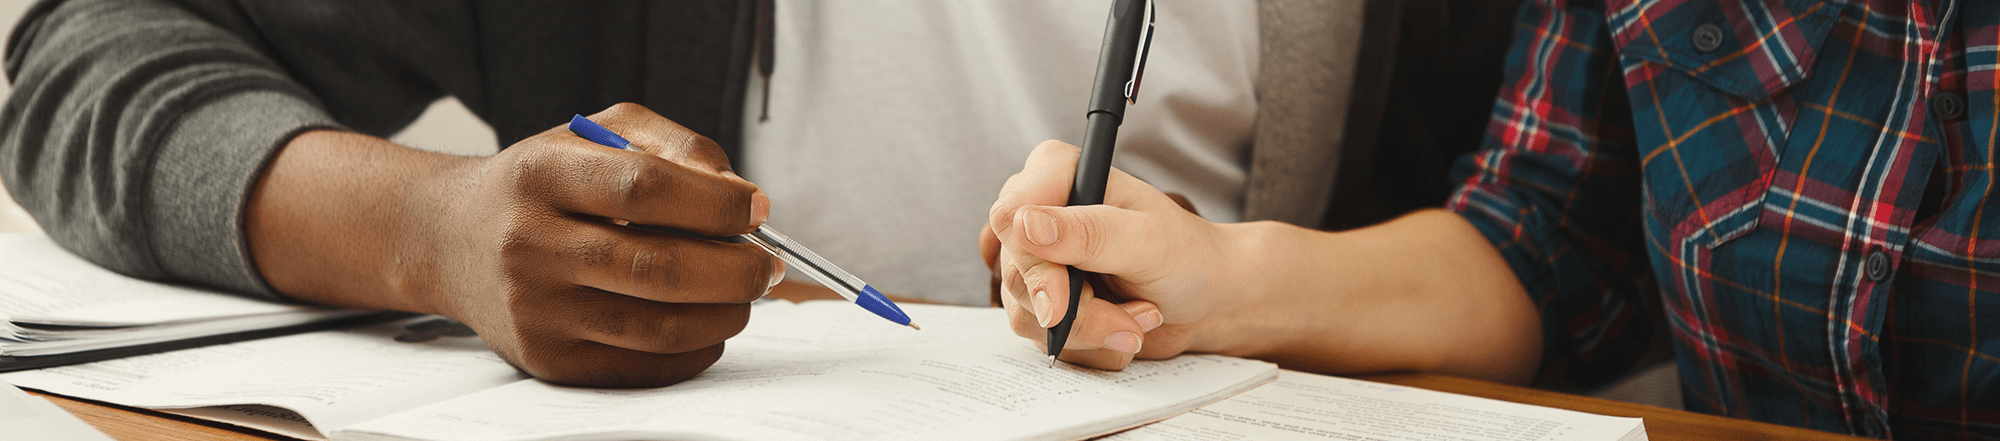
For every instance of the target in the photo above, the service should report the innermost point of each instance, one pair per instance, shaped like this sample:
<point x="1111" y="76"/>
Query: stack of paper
<point x="56" y="308"/>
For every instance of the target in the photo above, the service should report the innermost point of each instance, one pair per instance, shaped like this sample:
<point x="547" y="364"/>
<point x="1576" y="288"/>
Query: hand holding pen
<point x="806" y="261"/>
<point x="516" y="245"/>
<point x="1022" y="231"/>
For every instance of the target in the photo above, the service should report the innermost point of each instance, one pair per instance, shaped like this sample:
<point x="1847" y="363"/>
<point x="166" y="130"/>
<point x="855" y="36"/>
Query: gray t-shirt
<point x="893" y="124"/>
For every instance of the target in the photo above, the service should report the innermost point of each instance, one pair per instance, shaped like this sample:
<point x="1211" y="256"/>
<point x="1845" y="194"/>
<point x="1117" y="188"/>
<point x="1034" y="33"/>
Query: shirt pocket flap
<point x="1753" y="49"/>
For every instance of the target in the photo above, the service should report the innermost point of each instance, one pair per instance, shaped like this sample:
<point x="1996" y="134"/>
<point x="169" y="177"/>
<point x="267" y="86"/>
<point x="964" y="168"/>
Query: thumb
<point x="1098" y="238"/>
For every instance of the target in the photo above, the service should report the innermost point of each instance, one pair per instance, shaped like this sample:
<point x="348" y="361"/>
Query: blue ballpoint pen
<point x="834" y="278"/>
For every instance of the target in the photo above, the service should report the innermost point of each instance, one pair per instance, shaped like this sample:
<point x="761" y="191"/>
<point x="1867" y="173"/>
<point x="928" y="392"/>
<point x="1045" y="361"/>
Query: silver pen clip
<point x="1139" y="65"/>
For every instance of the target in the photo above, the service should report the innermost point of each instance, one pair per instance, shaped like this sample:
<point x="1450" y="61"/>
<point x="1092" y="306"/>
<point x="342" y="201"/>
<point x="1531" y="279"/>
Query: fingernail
<point x="1150" y="320"/>
<point x="760" y="208"/>
<point x="1041" y="227"/>
<point x="1042" y="314"/>
<point x="1123" y="341"/>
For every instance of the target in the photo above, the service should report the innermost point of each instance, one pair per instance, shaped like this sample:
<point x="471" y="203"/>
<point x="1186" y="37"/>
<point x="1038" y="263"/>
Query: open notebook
<point x="816" y="370"/>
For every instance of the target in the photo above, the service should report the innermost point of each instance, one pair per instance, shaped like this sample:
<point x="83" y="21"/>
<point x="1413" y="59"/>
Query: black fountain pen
<point x="1120" y="65"/>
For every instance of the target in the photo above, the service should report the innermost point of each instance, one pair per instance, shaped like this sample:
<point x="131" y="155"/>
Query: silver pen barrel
<point x="806" y="261"/>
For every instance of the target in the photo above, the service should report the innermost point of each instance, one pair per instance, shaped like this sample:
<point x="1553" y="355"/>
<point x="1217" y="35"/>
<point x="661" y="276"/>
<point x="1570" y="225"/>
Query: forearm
<point x="330" y="220"/>
<point x="134" y="132"/>
<point x="1425" y="292"/>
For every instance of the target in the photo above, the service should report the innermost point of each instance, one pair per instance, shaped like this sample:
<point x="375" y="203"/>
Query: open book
<point x="56" y="308"/>
<point x="815" y="370"/>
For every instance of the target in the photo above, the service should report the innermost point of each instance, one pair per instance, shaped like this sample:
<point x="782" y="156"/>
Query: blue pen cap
<point x="875" y="302"/>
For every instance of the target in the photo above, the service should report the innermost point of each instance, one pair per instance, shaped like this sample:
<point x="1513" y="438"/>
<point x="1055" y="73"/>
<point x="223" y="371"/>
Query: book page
<point x="1302" y="406"/>
<point x="39" y="281"/>
<point x="827" y="370"/>
<point x="332" y="378"/>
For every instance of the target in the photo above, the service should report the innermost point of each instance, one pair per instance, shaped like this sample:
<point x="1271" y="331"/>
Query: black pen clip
<point x="1139" y="65"/>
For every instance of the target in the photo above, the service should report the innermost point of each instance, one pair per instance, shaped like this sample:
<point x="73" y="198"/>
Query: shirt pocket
<point x="1710" y="90"/>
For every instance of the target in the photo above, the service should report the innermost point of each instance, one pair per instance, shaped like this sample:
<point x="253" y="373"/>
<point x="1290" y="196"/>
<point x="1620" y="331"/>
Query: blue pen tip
<point x="588" y="129"/>
<point x="875" y="302"/>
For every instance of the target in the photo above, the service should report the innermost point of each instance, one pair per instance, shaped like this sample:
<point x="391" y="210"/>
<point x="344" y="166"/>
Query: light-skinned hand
<point x="1164" y="262"/>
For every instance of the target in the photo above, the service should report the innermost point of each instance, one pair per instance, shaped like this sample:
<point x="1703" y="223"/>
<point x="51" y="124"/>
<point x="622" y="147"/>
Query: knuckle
<point x="625" y="109"/>
<point x="686" y="140"/>
<point x="518" y="236"/>
<point x="606" y="320"/>
<point x="1000" y="215"/>
<point x="647" y="267"/>
<point x="1089" y="226"/>
<point x="758" y="281"/>
<point x="1012" y="285"/>
<point x="1037" y="275"/>
<point x="753" y="269"/>
<point x="635" y="182"/>
<point x="592" y="250"/>
<point x="1013" y="277"/>
<point x="704" y="143"/>
<point x="735" y="211"/>
<point x="644" y="266"/>
<point x="520" y="170"/>
<point x="670" y="337"/>
<point x="655" y="266"/>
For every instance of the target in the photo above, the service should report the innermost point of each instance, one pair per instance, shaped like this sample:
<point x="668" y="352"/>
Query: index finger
<point x="643" y="189"/>
<point x="651" y="133"/>
<point x="1046" y="178"/>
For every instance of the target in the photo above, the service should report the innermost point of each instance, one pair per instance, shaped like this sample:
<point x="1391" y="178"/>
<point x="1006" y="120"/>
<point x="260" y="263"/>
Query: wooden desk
<point x="126" y="423"/>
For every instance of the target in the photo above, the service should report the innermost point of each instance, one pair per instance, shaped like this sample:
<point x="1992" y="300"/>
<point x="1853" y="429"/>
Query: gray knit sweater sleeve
<point x="137" y="127"/>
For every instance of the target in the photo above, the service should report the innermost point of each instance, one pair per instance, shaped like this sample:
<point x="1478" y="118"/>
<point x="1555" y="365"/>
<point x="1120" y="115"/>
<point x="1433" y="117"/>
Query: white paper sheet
<point x="334" y="378"/>
<point x="1301" y="406"/>
<point x="41" y="282"/>
<point x="829" y="371"/>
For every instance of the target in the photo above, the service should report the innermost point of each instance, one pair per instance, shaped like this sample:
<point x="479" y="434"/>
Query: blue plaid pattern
<point x="1797" y="193"/>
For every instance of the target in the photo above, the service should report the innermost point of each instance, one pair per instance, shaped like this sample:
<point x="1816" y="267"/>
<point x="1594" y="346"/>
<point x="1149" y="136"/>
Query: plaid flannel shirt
<point x="1799" y="193"/>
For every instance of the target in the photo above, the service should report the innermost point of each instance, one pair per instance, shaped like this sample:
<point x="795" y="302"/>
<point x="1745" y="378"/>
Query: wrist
<point x="1332" y="302"/>
<point x="437" y="189"/>
<point x="1253" y="304"/>
<point x="333" y="218"/>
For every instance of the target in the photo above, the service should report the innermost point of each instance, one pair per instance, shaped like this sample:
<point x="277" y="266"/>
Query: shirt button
<point x="1878" y="266"/>
<point x="1707" y="37"/>
<point x="1948" y="105"/>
